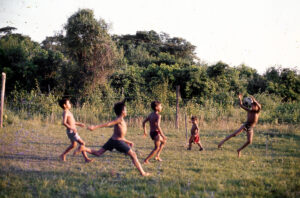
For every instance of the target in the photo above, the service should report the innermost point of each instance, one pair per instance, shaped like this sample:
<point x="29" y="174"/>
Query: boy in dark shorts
<point x="252" y="119"/>
<point x="70" y="124"/>
<point x="156" y="133"/>
<point x="195" y="138"/>
<point x="117" y="140"/>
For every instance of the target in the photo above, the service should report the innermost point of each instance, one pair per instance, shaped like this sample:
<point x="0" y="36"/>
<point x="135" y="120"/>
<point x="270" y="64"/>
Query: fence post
<point x="186" y="133"/>
<point x="2" y="98"/>
<point x="177" y="107"/>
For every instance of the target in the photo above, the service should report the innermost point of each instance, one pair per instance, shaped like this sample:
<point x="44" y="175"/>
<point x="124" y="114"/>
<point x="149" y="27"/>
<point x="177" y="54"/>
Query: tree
<point x="89" y="44"/>
<point x="156" y="48"/>
<point x="7" y="30"/>
<point x="283" y="82"/>
<point x="27" y="64"/>
<point x="16" y="53"/>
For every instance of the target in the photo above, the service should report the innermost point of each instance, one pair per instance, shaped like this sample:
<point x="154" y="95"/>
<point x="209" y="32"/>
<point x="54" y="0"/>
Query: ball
<point x="247" y="101"/>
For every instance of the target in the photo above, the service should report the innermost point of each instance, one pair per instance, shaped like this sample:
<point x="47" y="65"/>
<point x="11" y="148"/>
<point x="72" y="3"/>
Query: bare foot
<point x="158" y="159"/>
<point x="239" y="153"/>
<point x="220" y="144"/>
<point x="146" y="162"/>
<point x="88" y="160"/>
<point x="78" y="150"/>
<point x="63" y="158"/>
<point x="145" y="174"/>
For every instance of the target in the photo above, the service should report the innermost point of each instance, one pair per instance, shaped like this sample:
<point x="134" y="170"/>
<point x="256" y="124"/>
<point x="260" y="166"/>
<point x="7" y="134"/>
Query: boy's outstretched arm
<point x="144" y="125"/>
<point x="80" y="124"/>
<point x="111" y="123"/>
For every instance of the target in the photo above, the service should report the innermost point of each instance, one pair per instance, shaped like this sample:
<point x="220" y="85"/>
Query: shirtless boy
<point x="156" y="133"/>
<point x="70" y="124"/>
<point x="117" y="140"/>
<point x="195" y="138"/>
<point x="252" y="119"/>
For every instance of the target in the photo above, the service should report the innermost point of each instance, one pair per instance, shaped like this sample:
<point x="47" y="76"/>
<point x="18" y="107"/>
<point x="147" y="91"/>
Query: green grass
<point x="30" y="166"/>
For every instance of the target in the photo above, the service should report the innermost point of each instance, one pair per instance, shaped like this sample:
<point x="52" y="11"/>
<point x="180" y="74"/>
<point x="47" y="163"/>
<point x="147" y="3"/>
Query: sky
<point x="257" y="33"/>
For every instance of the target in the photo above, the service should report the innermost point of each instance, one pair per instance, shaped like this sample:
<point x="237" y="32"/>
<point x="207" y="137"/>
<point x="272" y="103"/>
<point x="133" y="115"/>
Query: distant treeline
<point x="86" y="59"/>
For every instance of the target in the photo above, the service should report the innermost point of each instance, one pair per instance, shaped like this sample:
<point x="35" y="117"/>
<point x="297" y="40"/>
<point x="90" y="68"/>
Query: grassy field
<point x="270" y="167"/>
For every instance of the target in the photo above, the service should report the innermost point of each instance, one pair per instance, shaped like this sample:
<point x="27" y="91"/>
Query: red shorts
<point x="194" y="139"/>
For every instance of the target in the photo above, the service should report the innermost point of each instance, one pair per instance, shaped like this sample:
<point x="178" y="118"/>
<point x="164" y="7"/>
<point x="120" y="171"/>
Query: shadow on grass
<point x="24" y="157"/>
<point x="60" y="144"/>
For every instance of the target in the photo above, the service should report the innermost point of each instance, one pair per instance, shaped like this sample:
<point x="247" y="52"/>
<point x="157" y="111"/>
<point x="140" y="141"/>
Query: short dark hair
<point x="119" y="107"/>
<point x="63" y="101"/>
<point x="154" y="104"/>
<point x="194" y="118"/>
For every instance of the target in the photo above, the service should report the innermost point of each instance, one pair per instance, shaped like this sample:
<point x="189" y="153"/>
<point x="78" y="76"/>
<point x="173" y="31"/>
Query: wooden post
<point x="267" y="146"/>
<point x="177" y="107"/>
<point x="2" y="98"/>
<point x="186" y="133"/>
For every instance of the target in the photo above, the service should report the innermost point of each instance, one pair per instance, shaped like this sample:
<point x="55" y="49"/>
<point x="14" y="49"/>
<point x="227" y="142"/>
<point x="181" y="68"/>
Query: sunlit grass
<point x="270" y="167"/>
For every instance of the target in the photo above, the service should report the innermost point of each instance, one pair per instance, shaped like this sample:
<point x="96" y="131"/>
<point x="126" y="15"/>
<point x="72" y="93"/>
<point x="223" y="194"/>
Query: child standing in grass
<point x="156" y="133"/>
<point x="117" y="141"/>
<point x="252" y="119"/>
<point x="195" y="138"/>
<point x="70" y="123"/>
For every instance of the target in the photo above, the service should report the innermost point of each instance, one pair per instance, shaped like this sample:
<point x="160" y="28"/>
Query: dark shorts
<point x="119" y="145"/>
<point x="153" y="134"/>
<point x="248" y="128"/>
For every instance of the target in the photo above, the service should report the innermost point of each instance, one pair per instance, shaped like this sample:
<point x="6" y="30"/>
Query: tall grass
<point x="99" y="108"/>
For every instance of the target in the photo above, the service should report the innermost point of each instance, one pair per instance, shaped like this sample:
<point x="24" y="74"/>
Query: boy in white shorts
<point x="70" y="124"/>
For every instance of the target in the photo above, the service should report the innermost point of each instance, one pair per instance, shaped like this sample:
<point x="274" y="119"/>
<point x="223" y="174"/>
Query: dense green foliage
<point x="96" y="68"/>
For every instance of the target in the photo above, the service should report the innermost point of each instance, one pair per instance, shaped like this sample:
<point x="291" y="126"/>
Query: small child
<point x="156" y="133"/>
<point x="195" y="138"/>
<point x="117" y="140"/>
<point x="70" y="124"/>
<point x="252" y="119"/>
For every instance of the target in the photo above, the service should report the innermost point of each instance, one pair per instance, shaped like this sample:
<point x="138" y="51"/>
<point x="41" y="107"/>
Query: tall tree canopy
<point x="89" y="44"/>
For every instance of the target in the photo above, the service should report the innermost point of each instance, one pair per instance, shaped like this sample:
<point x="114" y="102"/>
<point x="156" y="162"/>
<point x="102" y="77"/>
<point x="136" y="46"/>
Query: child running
<point x="195" y="138"/>
<point x="117" y="140"/>
<point x="156" y="133"/>
<point x="70" y="124"/>
<point x="252" y="119"/>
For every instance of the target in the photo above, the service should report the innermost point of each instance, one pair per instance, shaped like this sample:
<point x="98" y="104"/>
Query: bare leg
<point x="190" y="146"/>
<point x="162" y="145"/>
<point x="86" y="158"/>
<point x="154" y="151"/>
<point x="200" y="145"/>
<point x="237" y="132"/>
<point x="249" y="141"/>
<point x="63" y="155"/>
<point x="136" y="162"/>
<point x="82" y="144"/>
<point x="190" y="143"/>
<point x="93" y="152"/>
